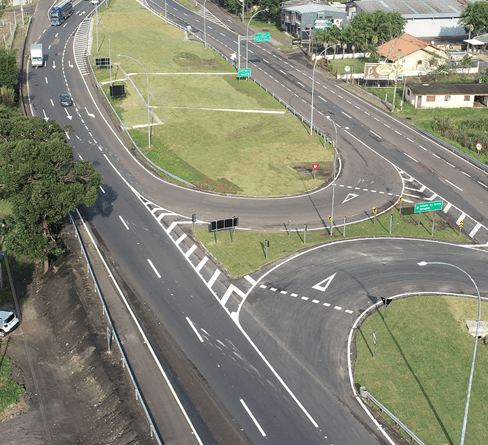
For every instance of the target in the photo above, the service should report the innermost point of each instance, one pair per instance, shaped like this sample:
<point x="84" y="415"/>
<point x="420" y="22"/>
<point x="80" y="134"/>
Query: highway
<point x="278" y="391"/>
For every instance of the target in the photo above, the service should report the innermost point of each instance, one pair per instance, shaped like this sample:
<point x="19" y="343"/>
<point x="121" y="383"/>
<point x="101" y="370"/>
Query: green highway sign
<point x="262" y="37"/>
<point x="244" y="72"/>
<point x="428" y="206"/>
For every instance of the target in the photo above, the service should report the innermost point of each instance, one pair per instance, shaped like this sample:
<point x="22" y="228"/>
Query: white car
<point x="8" y="321"/>
<point x="95" y="2"/>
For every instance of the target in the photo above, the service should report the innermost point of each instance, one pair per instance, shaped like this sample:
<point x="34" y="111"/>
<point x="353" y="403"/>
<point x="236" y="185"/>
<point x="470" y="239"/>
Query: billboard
<point x="382" y="71"/>
<point x="327" y="23"/>
<point x="223" y="224"/>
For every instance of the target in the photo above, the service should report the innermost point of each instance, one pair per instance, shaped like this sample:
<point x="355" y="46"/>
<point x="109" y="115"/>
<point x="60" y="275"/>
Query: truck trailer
<point x="37" y="56"/>
<point x="60" y="12"/>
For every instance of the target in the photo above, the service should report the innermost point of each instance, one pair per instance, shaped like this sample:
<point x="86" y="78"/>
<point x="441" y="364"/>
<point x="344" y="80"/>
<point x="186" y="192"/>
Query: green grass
<point x="247" y="153"/>
<point x="5" y="207"/>
<point x="337" y="65"/>
<point x="422" y="367"/>
<point x="10" y="390"/>
<point x="247" y="253"/>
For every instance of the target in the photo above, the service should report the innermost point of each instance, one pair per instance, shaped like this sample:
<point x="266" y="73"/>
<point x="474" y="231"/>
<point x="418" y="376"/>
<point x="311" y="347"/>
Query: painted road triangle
<point x="323" y="285"/>
<point x="349" y="197"/>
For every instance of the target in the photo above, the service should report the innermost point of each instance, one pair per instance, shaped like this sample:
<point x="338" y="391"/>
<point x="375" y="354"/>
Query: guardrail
<point x="112" y="333"/>
<point x="364" y="393"/>
<point x="454" y="149"/>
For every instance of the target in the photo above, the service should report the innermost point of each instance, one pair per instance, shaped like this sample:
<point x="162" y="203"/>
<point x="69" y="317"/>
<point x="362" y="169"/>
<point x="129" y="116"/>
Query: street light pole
<point x="148" y="109"/>
<point x="205" y="23"/>
<point x="109" y="55"/>
<point x="333" y="179"/>
<point x="313" y="84"/>
<point x="466" y="408"/>
<point x="247" y="34"/>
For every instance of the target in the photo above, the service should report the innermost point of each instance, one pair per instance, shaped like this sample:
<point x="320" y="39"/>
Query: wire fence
<point x="112" y="334"/>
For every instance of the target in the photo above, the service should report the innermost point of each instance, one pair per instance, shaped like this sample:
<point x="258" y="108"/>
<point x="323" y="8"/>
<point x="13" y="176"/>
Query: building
<point x="426" y="18"/>
<point x="447" y="95"/>
<point x="413" y="54"/>
<point x="305" y="18"/>
<point x="477" y="44"/>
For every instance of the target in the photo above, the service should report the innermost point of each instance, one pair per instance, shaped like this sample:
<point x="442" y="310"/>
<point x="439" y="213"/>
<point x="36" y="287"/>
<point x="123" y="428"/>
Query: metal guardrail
<point x="364" y="393"/>
<point x="454" y="149"/>
<point x="111" y="331"/>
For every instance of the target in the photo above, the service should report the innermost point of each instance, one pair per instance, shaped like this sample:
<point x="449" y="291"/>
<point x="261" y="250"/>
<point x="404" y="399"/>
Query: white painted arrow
<point x="233" y="56"/>
<point x="323" y="287"/>
<point x="91" y="115"/>
<point x="349" y="197"/>
<point x="54" y="64"/>
<point x="69" y="116"/>
<point x="45" y="117"/>
<point x="69" y="63"/>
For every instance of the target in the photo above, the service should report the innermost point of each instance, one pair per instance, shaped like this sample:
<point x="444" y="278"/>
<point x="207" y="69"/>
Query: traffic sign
<point x="315" y="166"/>
<point x="375" y="210"/>
<point x="330" y="218"/>
<point x="374" y="338"/>
<point x="244" y="72"/>
<point x="479" y="147"/>
<point x="400" y="199"/>
<point x="461" y="223"/>
<point x="262" y="37"/>
<point x="428" y="206"/>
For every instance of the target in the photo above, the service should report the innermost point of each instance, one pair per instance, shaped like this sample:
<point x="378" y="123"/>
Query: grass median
<point x="422" y="365"/>
<point x="247" y="252"/>
<point x="218" y="132"/>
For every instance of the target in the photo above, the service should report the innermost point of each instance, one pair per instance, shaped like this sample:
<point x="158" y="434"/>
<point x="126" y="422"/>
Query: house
<point x="447" y="95"/>
<point x="477" y="44"/>
<point x="413" y="54"/>
<point x="305" y="18"/>
<point x="426" y="18"/>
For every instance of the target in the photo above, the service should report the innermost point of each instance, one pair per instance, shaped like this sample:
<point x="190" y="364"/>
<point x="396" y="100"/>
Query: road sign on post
<point x="244" y="72"/>
<point x="461" y="223"/>
<point x="262" y="37"/>
<point x="266" y="243"/>
<point x="479" y="147"/>
<point x="428" y="206"/>
<point x="374" y="343"/>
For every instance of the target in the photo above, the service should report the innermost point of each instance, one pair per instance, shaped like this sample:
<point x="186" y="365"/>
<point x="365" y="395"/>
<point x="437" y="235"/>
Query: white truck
<point x="8" y="321"/>
<point x="37" y="56"/>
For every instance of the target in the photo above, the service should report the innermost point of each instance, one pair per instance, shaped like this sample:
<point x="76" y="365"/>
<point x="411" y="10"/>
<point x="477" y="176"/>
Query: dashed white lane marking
<point x="201" y="264"/>
<point x="413" y="159"/>
<point x="273" y="289"/>
<point x="454" y="185"/>
<point x="190" y="250"/>
<point x="101" y="188"/>
<point x="376" y="119"/>
<point x="480" y="183"/>
<point x="422" y="148"/>
<point x="46" y="80"/>
<point x="263" y="286"/>
<point x="180" y="239"/>
<point x="321" y="98"/>
<point x="315" y="301"/>
<point x="305" y="298"/>
<point x="153" y="268"/>
<point x="461" y="218"/>
<point x="397" y="132"/>
<point x="326" y="304"/>
<point x="408" y="139"/>
<point x="387" y="126"/>
<point x="348" y="311"/>
<point x="338" y="308"/>
<point x="377" y="135"/>
<point x="281" y="71"/>
<point x="294" y="295"/>
<point x="212" y="280"/>
<point x="52" y="103"/>
<point x="124" y="223"/>
<point x="464" y="173"/>
<point x="345" y="114"/>
<point x="283" y="292"/>
<point x="475" y="230"/>
<point x="448" y="163"/>
<point x="301" y="84"/>
<point x="194" y="329"/>
<point x="438" y="157"/>
<point x="447" y="207"/>
<point x="258" y="426"/>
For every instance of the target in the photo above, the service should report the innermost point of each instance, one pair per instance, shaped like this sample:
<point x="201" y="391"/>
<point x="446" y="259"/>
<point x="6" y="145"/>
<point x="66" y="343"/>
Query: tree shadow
<point x="420" y="385"/>
<point x="103" y="205"/>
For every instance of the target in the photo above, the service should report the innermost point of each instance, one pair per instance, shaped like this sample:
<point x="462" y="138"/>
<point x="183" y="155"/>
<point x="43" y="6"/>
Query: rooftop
<point x="448" y="88"/>
<point x="401" y="46"/>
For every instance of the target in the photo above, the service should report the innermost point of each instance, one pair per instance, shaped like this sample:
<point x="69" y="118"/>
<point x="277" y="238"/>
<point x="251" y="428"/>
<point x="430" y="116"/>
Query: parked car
<point x="8" y="322"/>
<point x="95" y="2"/>
<point x="65" y="100"/>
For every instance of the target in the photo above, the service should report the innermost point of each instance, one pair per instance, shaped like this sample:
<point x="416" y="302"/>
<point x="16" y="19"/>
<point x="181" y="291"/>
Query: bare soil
<point x="76" y="392"/>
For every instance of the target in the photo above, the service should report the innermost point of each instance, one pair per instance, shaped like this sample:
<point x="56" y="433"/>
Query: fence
<point x="397" y="421"/>
<point x="111" y="332"/>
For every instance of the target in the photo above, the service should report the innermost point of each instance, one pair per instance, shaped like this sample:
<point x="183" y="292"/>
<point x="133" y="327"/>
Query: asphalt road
<point x="130" y="237"/>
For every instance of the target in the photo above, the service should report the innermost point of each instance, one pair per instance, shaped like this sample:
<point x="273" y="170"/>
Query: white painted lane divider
<point x="345" y="114"/>
<point x="461" y="218"/>
<point x="454" y="185"/>
<point x="201" y="264"/>
<point x="475" y="230"/>
<point x="155" y="270"/>
<point x="52" y="103"/>
<point x="191" y="250"/>
<point x="251" y="415"/>
<point x="408" y="156"/>
<point x="212" y="280"/>
<point x="180" y="239"/>
<point x="46" y="79"/>
<point x="194" y="329"/>
<point x="123" y="222"/>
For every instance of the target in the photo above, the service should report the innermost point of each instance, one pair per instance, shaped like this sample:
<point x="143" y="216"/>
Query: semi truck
<point x="60" y="12"/>
<point x="37" y="56"/>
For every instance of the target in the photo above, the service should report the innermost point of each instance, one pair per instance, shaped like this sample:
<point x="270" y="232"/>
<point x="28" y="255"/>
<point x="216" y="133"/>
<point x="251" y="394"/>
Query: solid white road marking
<point x="201" y="264"/>
<point x="250" y="279"/>
<point x="253" y="418"/>
<point x="194" y="329"/>
<point x="190" y="251"/>
<point x="413" y="159"/>
<point x="155" y="270"/>
<point x="212" y="280"/>
<point x="124" y="223"/>
<point x="454" y="185"/>
<point x="180" y="239"/>
<point x="101" y="188"/>
<point x="323" y="287"/>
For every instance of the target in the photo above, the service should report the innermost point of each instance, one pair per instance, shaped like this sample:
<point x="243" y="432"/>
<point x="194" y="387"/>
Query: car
<point x="95" y="2"/>
<point x="65" y="100"/>
<point x="8" y="322"/>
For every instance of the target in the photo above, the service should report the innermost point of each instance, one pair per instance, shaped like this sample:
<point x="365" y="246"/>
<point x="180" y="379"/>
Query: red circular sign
<point x="479" y="146"/>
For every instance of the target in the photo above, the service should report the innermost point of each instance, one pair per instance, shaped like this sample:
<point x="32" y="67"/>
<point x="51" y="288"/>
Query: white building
<point x="447" y="95"/>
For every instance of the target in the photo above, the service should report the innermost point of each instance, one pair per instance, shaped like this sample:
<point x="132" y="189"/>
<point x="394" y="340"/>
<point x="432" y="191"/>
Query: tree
<point x="8" y="75"/>
<point x="40" y="179"/>
<point x="274" y="9"/>
<point x="475" y="17"/>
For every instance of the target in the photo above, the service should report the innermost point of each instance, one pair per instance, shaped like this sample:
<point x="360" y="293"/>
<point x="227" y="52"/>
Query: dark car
<point x="66" y="100"/>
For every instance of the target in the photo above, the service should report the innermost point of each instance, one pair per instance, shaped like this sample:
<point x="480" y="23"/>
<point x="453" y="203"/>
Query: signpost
<point x="375" y="211"/>
<point x="374" y="343"/>
<point x="244" y="72"/>
<point x="262" y="37"/>
<point x="479" y="147"/>
<point x="461" y="223"/>
<point x="266" y="242"/>
<point x="304" y="233"/>
<point x="428" y="207"/>
<point x="315" y="167"/>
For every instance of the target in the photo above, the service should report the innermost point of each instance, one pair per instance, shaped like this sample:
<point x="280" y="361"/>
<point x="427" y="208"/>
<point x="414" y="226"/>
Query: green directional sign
<point x="428" y="206"/>
<point x="244" y="72"/>
<point x="262" y="37"/>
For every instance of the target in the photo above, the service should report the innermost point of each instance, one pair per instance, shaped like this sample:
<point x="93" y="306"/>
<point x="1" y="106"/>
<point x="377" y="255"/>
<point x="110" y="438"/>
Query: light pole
<point x="109" y="56"/>
<point x="205" y="24"/>
<point x="333" y="179"/>
<point x="148" y="109"/>
<point x="466" y="408"/>
<point x="247" y="34"/>
<point x="313" y="83"/>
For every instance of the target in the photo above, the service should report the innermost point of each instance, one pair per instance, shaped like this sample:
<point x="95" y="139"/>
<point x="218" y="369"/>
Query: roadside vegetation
<point x="247" y="252"/>
<point x="422" y="365"/>
<point x="209" y="128"/>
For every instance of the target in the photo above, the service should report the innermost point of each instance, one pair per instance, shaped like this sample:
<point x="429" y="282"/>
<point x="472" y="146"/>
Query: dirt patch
<point x="76" y="392"/>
